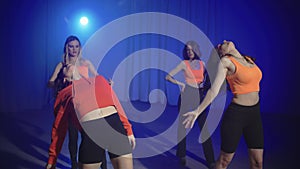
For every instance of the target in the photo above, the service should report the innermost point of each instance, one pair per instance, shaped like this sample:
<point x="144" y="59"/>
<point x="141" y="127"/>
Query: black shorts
<point x="241" y="120"/>
<point x="98" y="135"/>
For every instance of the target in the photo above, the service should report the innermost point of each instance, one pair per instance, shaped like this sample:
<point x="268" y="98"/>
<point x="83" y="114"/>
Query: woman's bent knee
<point x="257" y="164"/>
<point x="225" y="159"/>
<point x="256" y="158"/>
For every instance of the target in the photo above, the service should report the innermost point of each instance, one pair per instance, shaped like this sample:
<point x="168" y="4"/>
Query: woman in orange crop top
<point x="242" y="116"/>
<point x="192" y="92"/>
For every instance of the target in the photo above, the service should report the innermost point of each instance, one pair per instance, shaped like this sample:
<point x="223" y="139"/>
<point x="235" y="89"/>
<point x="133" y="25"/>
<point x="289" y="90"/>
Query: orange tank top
<point x="245" y="79"/>
<point x="83" y="70"/>
<point x="193" y="76"/>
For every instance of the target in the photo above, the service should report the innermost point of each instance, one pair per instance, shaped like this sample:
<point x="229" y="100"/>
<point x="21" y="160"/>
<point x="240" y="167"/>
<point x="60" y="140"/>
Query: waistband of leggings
<point x="239" y="105"/>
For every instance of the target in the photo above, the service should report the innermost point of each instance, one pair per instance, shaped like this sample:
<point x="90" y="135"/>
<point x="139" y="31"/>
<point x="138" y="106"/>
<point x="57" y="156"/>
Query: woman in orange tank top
<point x="242" y="116"/>
<point x="192" y="92"/>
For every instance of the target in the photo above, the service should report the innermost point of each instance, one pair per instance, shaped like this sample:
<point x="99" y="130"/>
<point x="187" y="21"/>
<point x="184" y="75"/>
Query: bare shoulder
<point x="85" y="62"/>
<point x="228" y="65"/>
<point x="182" y="64"/>
<point x="59" y="65"/>
<point x="226" y="61"/>
<point x="89" y="63"/>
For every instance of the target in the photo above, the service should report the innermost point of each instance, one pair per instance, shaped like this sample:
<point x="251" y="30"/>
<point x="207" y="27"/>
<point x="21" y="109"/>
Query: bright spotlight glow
<point x="84" y="20"/>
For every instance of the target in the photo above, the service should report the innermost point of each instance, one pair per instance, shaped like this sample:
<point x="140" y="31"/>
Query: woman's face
<point x="73" y="48"/>
<point x="190" y="52"/>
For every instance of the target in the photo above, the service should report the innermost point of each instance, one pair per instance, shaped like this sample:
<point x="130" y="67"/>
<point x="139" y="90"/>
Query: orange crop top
<point x="245" y="79"/>
<point x="194" y="75"/>
<point x="83" y="70"/>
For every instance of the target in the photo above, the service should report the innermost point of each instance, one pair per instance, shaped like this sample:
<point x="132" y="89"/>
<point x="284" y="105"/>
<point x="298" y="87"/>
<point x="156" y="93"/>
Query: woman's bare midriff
<point x="248" y="99"/>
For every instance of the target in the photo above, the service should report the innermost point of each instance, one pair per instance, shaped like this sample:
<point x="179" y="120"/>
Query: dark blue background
<point x="33" y="32"/>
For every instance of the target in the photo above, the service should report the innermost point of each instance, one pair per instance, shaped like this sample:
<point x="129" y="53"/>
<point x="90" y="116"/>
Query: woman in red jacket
<point x="59" y="80"/>
<point x="94" y="109"/>
<point x="96" y="112"/>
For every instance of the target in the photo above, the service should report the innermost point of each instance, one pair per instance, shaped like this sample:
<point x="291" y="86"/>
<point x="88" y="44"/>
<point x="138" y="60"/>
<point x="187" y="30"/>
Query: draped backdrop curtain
<point x="33" y="34"/>
<point x="37" y="36"/>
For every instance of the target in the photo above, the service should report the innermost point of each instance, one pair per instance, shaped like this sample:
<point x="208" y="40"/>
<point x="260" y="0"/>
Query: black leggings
<point x="73" y="141"/>
<point x="241" y="120"/>
<point x="189" y="100"/>
<point x="100" y="134"/>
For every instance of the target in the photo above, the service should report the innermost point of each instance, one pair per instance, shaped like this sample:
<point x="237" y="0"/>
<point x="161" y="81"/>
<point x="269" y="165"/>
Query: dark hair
<point x="69" y="39"/>
<point x="195" y="48"/>
<point x="249" y="59"/>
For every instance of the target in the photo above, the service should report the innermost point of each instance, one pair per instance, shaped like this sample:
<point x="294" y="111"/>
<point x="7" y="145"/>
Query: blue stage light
<point x="84" y="20"/>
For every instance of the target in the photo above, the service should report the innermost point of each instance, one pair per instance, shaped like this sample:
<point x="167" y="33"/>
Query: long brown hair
<point x="195" y="48"/>
<point x="249" y="59"/>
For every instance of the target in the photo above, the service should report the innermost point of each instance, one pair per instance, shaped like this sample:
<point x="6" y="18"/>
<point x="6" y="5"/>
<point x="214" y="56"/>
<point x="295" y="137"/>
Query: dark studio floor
<point x="25" y="137"/>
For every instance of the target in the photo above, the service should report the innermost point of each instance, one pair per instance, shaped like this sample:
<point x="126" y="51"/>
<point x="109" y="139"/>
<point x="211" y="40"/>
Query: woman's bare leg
<point x="224" y="160"/>
<point x="123" y="162"/>
<point x="256" y="158"/>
